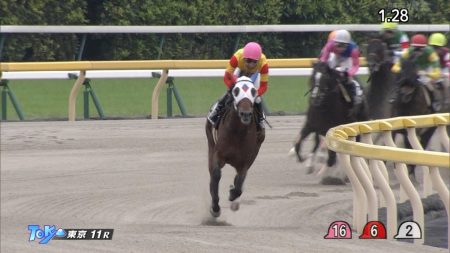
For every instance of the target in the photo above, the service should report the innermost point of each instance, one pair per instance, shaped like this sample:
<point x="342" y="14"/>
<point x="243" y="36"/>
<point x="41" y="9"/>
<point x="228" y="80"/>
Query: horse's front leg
<point x="215" y="172"/>
<point x="332" y="176"/>
<point x="331" y="158"/>
<point x="236" y="189"/>
<point x="312" y="160"/>
<point x="306" y="130"/>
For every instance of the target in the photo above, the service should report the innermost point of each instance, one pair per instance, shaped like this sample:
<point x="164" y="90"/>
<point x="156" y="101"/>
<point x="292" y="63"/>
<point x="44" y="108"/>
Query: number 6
<point x="374" y="230"/>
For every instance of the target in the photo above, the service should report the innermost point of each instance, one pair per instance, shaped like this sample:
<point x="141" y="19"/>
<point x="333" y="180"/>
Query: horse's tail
<point x="211" y="143"/>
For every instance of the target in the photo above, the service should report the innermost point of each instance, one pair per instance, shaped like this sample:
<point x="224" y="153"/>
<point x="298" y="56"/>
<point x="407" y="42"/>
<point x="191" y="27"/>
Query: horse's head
<point x="326" y="80"/>
<point x="377" y="54"/>
<point x="244" y="95"/>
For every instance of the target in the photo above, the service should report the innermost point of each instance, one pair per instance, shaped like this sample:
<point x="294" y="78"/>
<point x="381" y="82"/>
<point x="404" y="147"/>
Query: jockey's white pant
<point x="425" y="79"/>
<point x="397" y="56"/>
<point x="344" y="64"/>
<point x="445" y="77"/>
<point x="339" y="63"/>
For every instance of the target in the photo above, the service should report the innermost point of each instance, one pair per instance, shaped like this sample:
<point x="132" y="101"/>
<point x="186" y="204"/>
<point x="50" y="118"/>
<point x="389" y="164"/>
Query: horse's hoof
<point x="322" y="170"/>
<point x="332" y="181"/>
<point x="234" y="206"/>
<point x="291" y="152"/>
<point x="213" y="213"/>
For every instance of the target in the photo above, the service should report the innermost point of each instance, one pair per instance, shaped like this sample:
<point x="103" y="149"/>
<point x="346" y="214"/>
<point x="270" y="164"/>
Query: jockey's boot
<point x="260" y="117"/>
<point x="357" y="96"/>
<point x="444" y="92"/>
<point x="436" y="100"/>
<point x="434" y="95"/>
<point x="216" y="110"/>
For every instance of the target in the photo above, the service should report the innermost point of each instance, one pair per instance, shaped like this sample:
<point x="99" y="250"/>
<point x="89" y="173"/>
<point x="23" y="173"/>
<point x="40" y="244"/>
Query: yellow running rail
<point x="364" y="166"/>
<point x="164" y="65"/>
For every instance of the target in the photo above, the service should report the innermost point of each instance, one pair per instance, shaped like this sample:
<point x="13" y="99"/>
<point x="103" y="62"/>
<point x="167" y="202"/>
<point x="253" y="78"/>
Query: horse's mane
<point x="408" y="73"/>
<point x="320" y="65"/>
<point x="376" y="51"/>
<point x="328" y="88"/>
<point x="375" y="45"/>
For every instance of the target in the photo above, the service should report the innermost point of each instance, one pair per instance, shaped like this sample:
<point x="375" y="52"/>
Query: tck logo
<point x="46" y="234"/>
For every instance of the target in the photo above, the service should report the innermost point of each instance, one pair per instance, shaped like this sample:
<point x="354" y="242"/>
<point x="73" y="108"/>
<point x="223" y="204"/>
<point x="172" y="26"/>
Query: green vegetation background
<point x="49" y="47"/>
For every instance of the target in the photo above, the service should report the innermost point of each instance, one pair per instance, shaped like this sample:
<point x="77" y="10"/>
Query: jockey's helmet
<point x="437" y="39"/>
<point x="342" y="36"/>
<point x="419" y="40"/>
<point x="389" y="26"/>
<point x="252" y="51"/>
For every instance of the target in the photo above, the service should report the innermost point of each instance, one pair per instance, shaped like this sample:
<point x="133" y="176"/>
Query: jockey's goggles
<point x="418" y="49"/>
<point x="341" y="45"/>
<point x="247" y="60"/>
<point x="436" y="47"/>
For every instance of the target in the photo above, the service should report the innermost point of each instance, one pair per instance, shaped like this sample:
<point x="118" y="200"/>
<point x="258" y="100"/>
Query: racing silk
<point x="428" y="62"/>
<point x="398" y="42"/>
<point x="349" y="58"/>
<point x="444" y="58"/>
<point x="237" y="61"/>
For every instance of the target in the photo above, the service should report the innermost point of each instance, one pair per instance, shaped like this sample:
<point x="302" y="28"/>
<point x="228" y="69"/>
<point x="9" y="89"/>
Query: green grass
<point x="48" y="99"/>
<point x="131" y="98"/>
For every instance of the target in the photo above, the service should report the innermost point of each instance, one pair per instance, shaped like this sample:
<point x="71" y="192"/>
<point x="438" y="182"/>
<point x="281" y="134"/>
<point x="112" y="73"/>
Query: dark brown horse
<point x="412" y="98"/>
<point x="236" y="142"/>
<point x="381" y="79"/>
<point x="328" y="108"/>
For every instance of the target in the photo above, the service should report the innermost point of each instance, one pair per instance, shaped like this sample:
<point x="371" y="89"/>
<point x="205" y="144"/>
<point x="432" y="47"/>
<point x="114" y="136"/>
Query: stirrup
<point x="213" y="118"/>
<point x="261" y="119"/>
<point x="262" y="125"/>
<point x="357" y="100"/>
<point x="436" y="106"/>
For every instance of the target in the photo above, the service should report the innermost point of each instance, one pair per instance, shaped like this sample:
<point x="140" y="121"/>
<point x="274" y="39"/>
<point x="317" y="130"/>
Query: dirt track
<point x="148" y="180"/>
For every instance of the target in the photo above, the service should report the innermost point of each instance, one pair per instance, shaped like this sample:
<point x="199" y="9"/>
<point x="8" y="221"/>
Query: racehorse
<point x="236" y="142"/>
<point x="412" y="98"/>
<point x="381" y="78"/>
<point x="329" y="106"/>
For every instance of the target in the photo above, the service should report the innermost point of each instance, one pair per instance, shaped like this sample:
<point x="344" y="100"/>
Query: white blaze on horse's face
<point x="244" y="88"/>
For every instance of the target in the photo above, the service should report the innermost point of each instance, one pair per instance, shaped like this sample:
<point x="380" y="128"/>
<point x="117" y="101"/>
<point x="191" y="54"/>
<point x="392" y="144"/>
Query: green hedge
<point x="45" y="47"/>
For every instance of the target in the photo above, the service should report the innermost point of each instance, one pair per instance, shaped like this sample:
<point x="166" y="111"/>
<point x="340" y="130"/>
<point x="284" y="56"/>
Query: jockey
<point x="342" y="52"/>
<point x="426" y="61"/>
<point x="331" y="36"/>
<point x="395" y="39"/>
<point x="251" y="62"/>
<point x="438" y="42"/>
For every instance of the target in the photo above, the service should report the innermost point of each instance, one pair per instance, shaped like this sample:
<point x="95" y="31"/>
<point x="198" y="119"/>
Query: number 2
<point x="409" y="228"/>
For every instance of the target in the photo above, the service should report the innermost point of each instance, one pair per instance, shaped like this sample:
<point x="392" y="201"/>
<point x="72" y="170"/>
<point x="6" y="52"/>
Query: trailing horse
<point x="329" y="106"/>
<point x="381" y="79"/>
<point x="235" y="142"/>
<point x="412" y="98"/>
